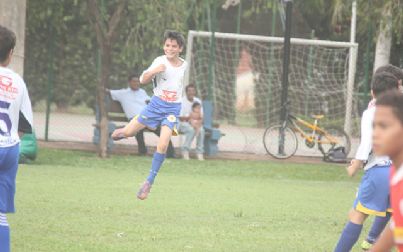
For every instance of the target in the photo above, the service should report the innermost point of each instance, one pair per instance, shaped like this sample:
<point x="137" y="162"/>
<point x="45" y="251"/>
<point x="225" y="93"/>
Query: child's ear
<point x="10" y="55"/>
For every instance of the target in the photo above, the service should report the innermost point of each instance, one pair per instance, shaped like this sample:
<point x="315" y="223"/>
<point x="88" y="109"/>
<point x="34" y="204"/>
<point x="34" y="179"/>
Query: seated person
<point x="133" y="99"/>
<point x="191" y="123"/>
<point x="196" y="118"/>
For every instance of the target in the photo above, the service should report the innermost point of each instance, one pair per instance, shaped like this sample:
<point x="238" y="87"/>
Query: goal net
<point x="242" y="75"/>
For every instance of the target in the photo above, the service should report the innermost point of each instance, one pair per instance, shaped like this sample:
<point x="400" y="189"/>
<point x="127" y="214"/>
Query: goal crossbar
<point x="296" y="41"/>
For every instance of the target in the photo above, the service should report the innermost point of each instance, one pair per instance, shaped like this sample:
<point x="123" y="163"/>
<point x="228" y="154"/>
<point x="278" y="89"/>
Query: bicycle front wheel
<point x="280" y="142"/>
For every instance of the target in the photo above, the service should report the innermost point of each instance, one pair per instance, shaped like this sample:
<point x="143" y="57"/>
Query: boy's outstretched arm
<point x="365" y="147"/>
<point x="385" y="241"/>
<point x="354" y="166"/>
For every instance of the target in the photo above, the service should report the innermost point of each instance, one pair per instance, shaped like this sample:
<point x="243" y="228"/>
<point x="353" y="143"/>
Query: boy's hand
<point x="354" y="167"/>
<point x="159" y="69"/>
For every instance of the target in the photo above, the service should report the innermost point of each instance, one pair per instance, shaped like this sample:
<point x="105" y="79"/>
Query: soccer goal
<point x="241" y="74"/>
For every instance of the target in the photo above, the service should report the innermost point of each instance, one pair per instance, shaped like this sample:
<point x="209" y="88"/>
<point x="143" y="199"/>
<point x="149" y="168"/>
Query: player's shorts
<point x="373" y="193"/>
<point x="8" y="172"/>
<point x="159" y="113"/>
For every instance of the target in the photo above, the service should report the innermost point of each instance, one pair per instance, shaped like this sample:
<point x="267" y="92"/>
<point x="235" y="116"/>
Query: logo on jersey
<point x="6" y="84"/>
<point x="169" y="96"/>
<point x="171" y="118"/>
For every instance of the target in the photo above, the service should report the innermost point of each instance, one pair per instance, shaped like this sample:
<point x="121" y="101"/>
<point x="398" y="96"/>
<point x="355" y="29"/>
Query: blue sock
<point x="349" y="237"/>
<point x="377" y="227"/>
<point x="158" y="159"/>
<point x="4" y="234"/>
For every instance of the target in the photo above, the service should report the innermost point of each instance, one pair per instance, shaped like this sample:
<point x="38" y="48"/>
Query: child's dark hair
<point x="383" y="82"/>
<point x="7" y="42"/>
<point x="174" y="35"/>
<point x="132" y="76"/>
<point x="190" y="86"/>
<point x="394" y="100"/>
<point x="394" y="70"/>
<point x="195" y="105"/>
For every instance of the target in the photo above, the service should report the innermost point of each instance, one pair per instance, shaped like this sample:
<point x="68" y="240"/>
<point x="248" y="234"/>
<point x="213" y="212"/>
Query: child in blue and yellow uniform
<point x="167" y="74"/>
<point x="388" y="140"/>
<point x="373" y="193"/>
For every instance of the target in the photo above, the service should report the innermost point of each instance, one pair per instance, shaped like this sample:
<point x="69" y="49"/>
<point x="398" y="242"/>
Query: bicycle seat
<point x="317" y="117"/>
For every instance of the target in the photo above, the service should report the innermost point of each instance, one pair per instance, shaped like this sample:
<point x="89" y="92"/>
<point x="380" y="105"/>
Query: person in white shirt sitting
<point x="186" y="128"/>
<point x="133" y="100"/>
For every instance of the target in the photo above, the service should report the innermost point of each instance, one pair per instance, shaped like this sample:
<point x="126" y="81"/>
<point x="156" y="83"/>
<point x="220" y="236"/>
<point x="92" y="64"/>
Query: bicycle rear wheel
<point x="335" y="137"/>
<point x="280" y="142"/>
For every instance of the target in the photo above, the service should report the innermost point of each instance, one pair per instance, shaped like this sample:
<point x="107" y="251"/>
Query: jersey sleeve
<point x="156" y="62"/>
<point x="365" y="147"/>
<point x="26" y="115"/>
<point x="116" y="94"/>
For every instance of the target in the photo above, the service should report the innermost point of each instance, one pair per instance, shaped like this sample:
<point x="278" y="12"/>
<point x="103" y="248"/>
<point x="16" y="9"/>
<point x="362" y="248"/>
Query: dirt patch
<point x="124" y="149"/>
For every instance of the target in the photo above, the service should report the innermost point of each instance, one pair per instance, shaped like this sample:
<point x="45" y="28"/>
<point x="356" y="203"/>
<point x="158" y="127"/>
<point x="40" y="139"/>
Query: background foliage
<point x="59" y="35"/>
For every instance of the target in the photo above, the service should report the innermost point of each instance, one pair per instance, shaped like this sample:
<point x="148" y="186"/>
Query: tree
<point x="105" y="27"/>
<point x="63" y="26"/>
<point x="12" y="15"/>
<point x="390" y="23"/>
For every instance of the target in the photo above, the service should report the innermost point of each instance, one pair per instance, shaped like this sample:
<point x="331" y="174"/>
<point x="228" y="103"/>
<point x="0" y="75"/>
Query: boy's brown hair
<point x="174" y="35"/>
<point x="394" y="100"/>
<point x="7" y="42"/>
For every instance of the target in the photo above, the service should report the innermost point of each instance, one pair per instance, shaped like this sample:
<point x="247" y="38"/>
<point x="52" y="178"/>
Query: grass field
<point x="73" y="201"/>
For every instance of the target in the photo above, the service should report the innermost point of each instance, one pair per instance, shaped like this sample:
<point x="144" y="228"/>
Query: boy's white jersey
<point x="13" y="100"/>
<point x="364" y="151"/>
<point x="168" y="84"/>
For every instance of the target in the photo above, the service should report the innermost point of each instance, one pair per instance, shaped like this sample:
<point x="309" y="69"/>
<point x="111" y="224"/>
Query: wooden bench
<point x="115" y="114"/>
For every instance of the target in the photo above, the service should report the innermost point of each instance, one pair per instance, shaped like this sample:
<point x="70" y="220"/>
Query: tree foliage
<point x="64" y="25"/>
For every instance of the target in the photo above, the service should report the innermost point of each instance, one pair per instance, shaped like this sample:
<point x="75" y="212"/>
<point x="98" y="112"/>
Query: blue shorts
<point x="159" y="112"/>
<point x="8" y="172"/>
<point x="373" y="193"/>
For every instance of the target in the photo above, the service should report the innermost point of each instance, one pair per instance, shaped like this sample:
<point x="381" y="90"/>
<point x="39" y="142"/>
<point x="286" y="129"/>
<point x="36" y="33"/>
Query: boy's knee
<point x="162" y="148"/>
<point x="357" y="217"/>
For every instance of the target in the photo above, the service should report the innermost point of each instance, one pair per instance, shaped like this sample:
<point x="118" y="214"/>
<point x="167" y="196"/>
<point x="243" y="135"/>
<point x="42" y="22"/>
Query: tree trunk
<point x="12" y="16"/>
<point x="106" y="34"/>
<point x="384" y="40"/>
<point x="105" y="68"/>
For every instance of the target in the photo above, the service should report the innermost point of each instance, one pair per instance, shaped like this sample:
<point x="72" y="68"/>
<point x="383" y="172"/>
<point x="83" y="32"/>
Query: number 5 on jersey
<point x="5" y="122"/>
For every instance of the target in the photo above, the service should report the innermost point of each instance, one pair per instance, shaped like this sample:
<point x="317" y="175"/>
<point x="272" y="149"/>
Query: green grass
<point x="73" y="201"/>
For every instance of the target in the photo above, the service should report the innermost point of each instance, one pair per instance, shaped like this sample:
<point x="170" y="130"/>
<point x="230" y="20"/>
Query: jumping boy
<point x="167" y="74"/>
<point x="15" y="116"/>
<point x="388" y="140"/>
<point x="373" y="193"/>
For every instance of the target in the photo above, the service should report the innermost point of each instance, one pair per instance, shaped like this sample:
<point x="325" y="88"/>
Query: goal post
<point x="330" y="80"/>
<point x="321" y="76"/>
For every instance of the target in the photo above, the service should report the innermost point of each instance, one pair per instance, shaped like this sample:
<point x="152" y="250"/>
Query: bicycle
<point x="280" y="141"/>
